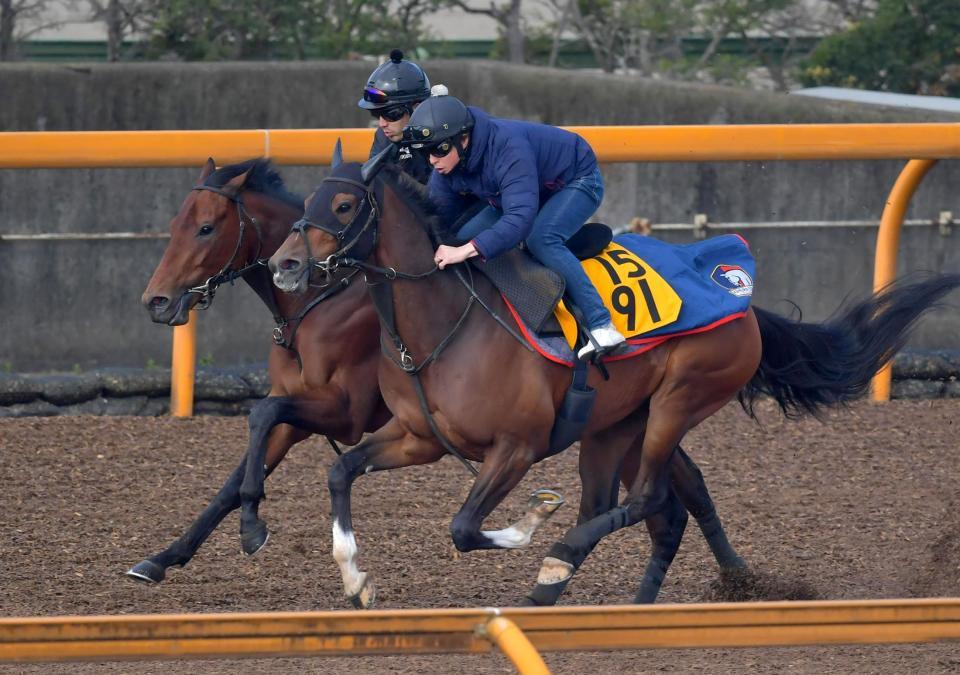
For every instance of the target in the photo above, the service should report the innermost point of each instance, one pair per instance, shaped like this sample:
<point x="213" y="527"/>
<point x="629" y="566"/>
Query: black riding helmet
<point x="437" y="119"/>
<point x="396" y="81"/>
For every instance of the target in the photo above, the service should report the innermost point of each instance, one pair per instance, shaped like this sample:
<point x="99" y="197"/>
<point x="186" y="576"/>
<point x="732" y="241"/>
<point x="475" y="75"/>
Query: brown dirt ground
<point x="861" y="506"/>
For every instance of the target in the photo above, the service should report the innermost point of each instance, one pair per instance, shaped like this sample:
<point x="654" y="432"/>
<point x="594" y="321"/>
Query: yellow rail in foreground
<point x="693" y="143"/>
<point x="472" y="630"/>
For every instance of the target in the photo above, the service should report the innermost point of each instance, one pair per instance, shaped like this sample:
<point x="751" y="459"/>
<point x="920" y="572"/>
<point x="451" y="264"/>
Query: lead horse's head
<point x="214" y="238"/>
<point x="340" y="223"/>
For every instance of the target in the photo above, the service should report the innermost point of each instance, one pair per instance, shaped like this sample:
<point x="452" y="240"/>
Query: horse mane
<point x="263" y="178"/>
<point x="416" y="196"/>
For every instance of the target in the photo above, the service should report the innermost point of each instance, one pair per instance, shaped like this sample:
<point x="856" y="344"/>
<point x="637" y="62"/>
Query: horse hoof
<point x="366" y="596"/>
<point x="147" y="572"/>
<point x="255" y="540"/>
<point x="546" y="501"/>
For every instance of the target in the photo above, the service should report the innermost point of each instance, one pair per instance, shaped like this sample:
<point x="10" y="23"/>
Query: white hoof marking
<point x="345" y="553"/>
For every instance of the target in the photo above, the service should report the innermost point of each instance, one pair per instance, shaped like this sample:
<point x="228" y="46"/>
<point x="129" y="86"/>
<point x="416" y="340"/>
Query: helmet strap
<point x="462" y="152"/>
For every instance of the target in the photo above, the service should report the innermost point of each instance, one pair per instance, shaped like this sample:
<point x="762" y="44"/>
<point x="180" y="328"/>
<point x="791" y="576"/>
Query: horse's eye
<point x="344" y="207"/>
<point x="205" y="230"/>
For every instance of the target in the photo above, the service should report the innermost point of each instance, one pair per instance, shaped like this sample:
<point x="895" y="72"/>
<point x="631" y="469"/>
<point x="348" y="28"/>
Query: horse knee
<point x="264" y="412"/>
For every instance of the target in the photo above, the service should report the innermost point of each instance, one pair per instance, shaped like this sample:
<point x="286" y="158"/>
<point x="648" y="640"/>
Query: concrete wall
<point x="66" y="304"/>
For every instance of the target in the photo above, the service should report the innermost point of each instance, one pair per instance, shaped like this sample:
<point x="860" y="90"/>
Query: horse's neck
<point x="425" y="309"/>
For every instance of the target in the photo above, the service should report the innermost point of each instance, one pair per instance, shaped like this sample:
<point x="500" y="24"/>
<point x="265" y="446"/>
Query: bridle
<point x="227" y="274"/>
<point x="365" y="239"/>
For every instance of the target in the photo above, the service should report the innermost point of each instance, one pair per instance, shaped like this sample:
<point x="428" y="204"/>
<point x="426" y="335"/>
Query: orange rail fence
<point x="922" y="144"/>
<point x="520" y="632"/>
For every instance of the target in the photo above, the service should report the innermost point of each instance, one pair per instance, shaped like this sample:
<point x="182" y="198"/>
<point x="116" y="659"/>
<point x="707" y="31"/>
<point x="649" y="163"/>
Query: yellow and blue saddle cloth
<point x="656" y="290"/>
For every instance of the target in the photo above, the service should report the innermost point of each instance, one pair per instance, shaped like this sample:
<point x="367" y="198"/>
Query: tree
<point x="907" y="46"/>
<point x="768" y="28"/>
<point x="265" y="29"/>
<point x="123" y="18"/>
<point x="19" y="19"/>
<point x="628" y="33"/>
<point x="509" y="18"/>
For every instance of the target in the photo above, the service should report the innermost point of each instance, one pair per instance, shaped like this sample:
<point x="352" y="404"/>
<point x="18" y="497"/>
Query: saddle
<point x="534" y="290"/>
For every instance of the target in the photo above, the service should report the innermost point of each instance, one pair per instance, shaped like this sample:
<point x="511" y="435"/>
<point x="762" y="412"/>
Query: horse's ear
<point x="337" y="155"/>
<point x="235" y="184"/>
<point x="207" y="169"/>
<point x="373" y="165"/>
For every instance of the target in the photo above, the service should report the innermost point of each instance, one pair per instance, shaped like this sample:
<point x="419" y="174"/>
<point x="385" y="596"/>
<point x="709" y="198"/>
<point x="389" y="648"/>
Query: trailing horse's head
<point x="340" y="220"/>
<point x="213" y="237"/>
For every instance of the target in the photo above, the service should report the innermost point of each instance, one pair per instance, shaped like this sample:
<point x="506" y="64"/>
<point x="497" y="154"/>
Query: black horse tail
<point x="807" y="367"/>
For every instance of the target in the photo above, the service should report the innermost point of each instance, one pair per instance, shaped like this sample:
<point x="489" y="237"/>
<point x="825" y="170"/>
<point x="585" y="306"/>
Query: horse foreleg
<point x="183" y="549"/>
<point x="388" y="448"/>
<point x="503" y="467"/>
<point x="320" y="414"/>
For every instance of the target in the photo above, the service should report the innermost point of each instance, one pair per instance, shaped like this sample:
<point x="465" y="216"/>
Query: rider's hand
<point x="451" y="255"/>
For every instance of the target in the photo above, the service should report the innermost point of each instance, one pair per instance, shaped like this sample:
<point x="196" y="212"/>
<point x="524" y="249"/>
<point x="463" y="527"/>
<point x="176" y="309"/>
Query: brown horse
<point x="322" y="364"/>
<point x="454" y="380"/>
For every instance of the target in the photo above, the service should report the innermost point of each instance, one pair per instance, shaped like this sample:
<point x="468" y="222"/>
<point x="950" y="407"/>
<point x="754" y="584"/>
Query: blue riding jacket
<point x="515" y="167"/>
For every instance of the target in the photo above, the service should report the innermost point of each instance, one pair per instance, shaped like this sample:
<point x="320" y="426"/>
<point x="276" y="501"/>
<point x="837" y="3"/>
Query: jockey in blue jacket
<point x="541" y="184"/>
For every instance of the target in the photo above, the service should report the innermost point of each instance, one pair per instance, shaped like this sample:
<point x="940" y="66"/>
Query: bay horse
<point x="455" y="381"/>
<point x="322" y="364"/>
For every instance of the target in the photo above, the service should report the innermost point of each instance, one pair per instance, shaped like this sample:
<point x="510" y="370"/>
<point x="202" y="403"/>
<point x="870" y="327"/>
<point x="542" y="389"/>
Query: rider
<point x="541" y="184"/>
<point x="392" y="93"/>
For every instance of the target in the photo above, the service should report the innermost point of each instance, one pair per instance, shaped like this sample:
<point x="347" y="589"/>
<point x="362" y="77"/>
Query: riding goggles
<point x="439" y="150"/>
<point x="376" y="96"/>
<point x="394" y="114"/>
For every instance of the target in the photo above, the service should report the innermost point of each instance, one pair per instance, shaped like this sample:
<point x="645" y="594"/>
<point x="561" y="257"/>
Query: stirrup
<point x="597" y="352"/>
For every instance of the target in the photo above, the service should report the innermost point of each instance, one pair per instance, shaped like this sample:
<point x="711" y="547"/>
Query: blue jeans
<point x="558" y="220"/>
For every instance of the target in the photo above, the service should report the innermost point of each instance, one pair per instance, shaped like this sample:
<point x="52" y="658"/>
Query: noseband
<point x="227" y="274"/>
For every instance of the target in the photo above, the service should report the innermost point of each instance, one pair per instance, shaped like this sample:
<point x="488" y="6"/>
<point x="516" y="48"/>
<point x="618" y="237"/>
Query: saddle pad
<point x="532" y="289"/>
<point x="653" y="288"/>
<point x="692" y="287"/>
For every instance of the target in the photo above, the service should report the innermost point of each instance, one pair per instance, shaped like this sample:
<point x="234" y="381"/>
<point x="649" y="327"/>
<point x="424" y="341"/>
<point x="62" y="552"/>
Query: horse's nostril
<point x="289" y="264"/>
<point x="159" y="302"/>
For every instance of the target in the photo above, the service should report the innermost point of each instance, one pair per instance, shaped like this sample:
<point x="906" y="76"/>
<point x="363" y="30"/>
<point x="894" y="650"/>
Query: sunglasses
<point x="394" y="114"/>
<point x="440" y="149"/>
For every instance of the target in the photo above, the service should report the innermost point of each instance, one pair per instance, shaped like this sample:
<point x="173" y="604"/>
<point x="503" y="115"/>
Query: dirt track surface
<point x="862" y="506"/>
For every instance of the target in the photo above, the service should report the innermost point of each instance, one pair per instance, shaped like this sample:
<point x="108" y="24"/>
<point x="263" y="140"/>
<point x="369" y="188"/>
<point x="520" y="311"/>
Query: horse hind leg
<point x="688" y="482"/>
<point x="666" y="531"/>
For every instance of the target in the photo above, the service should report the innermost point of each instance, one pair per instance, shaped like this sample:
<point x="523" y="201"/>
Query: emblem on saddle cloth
<point x="639" y="299"/>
